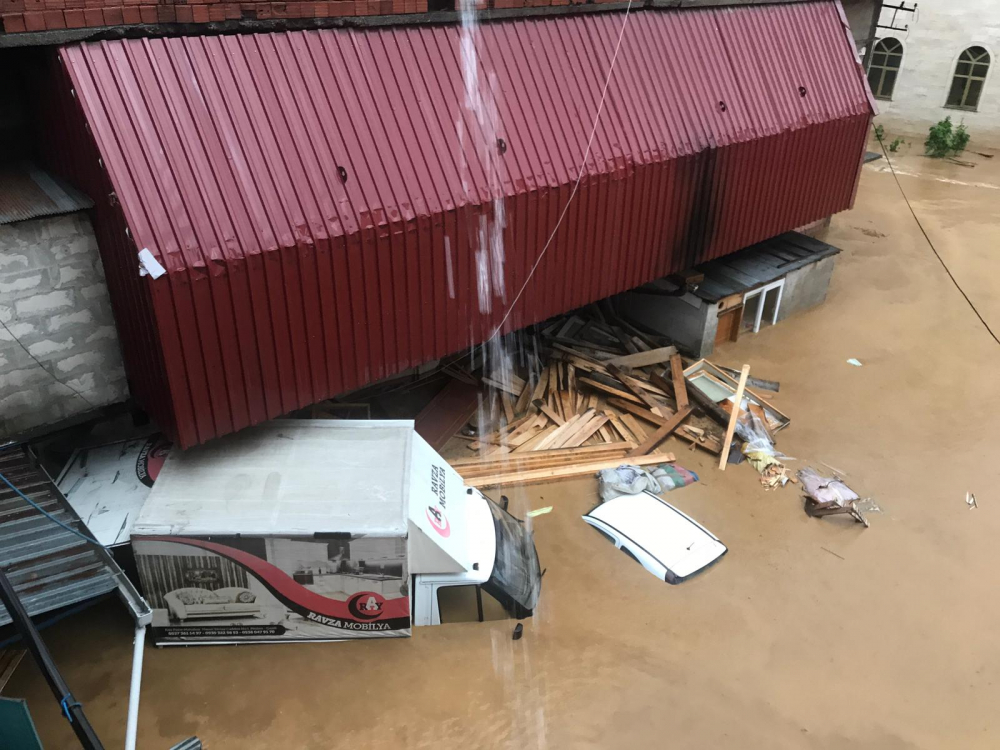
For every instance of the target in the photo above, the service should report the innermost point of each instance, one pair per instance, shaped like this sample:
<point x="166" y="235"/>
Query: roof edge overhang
<point x="442" y="17"/>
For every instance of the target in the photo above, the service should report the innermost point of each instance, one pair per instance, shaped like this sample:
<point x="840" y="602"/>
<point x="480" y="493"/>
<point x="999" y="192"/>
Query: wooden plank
<point x="577" y="426"/>
<point x="565" y="472"/>
<point x="724" y="455"/>
<point x="567" y="407"/>
<point x="571" y="387"/>
<point x="495" y="436"/>
<point x="535" y="439"/>
<point x="635" y="391"/>
<point x="599" y="386"/>
<point x="513" y="387"/>
<point x="616" y="423"/>
<point x="535" y="460"/>
<point x="644" y="359"/>
<point x="639" y="411"/>
<point x="550" y="413"/>
<point x="585" y="432"/>
<point x="625" y="341"/>
<point x="546" y="455"/>
<point x="541" y="386"/>
<point x="508" y="406"/>
<point x="554" y="383"/>
<point x="634" y="427"/>
<point x="584" y="358"/>
<point x="605" y="432"/>
<point x="562" y="431"/>
<point x="680" y="385"/>
<point x="662" y="433"/>
<point x="521" y="405"/>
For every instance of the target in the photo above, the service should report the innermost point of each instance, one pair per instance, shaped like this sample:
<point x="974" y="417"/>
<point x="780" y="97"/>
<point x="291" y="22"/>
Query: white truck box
<point x="319" y="530"/>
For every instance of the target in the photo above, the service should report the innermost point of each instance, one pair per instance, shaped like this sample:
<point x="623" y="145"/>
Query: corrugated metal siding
<point x="48" y="566"/>
<point x="286" y="285"/>
<point x="27" y="192"/>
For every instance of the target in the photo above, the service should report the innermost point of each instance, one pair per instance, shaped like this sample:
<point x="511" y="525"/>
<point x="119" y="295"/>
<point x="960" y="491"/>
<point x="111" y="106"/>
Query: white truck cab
<point x="459" y="537"/>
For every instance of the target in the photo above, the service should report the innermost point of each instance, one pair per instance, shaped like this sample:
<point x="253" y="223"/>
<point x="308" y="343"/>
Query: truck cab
<point x="461" y="538"/>
<point x="506" y="567"/>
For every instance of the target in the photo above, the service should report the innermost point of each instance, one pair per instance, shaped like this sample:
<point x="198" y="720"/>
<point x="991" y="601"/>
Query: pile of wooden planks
<point x="595" y="393"/>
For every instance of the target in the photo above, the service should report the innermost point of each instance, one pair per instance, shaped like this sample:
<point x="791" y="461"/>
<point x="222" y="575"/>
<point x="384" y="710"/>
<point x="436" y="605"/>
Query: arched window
<point x="886" y="57"/>
<point x="970" y="75"/>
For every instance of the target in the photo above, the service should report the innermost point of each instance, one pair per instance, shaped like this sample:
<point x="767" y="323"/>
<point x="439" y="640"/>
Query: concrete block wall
<point x="54" y="303"/>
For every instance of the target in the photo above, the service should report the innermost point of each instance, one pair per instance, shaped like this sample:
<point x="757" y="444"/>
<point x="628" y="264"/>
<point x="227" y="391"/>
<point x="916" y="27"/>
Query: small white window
<point x="760" y="306"/>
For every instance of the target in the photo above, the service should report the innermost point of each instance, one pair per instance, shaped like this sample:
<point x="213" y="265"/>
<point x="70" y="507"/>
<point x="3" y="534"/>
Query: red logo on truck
<point x="439" y="520"/>
<point x="366" y="605"/>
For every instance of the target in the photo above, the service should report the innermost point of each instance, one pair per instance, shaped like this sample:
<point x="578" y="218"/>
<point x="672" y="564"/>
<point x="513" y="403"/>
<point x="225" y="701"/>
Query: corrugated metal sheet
<point x="758" y="264"/>
<point x="286" y="285"/>
<point x="48" y="566"/>
<point x="27" y="192"/>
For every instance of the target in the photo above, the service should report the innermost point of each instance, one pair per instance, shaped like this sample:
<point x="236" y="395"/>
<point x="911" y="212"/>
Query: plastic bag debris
<point x="828" y="496"/>
<point x="970" y="500"/>
<point x="853" y="361"/>
<point x="626" y="480"/>
<point x="758" y="447"/>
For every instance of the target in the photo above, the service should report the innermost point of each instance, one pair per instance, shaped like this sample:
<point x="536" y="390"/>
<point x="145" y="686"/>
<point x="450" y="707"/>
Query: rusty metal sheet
<point x="316" y="197"/>
<point x="28" y="192"/>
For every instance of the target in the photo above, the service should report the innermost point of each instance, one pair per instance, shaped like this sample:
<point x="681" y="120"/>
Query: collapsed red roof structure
<point x="317" y="198"/>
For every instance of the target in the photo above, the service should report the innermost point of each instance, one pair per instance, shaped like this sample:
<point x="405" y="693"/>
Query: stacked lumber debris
<point x="581" y="393"/>
<point x="592" y="393"/>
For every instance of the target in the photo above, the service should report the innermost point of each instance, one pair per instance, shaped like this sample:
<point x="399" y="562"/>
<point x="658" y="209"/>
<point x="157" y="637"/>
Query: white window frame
<point x="761" y="291"/>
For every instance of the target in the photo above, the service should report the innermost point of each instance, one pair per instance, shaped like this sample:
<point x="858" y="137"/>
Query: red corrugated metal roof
<point x="286" y="285"/>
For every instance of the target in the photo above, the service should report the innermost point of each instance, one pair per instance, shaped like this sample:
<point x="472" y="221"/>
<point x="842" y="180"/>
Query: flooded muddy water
<point x="810" y="633"/>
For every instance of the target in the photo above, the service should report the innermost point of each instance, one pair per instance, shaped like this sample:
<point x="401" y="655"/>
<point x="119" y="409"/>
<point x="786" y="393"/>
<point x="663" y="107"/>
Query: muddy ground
<point x="809" y="634"/>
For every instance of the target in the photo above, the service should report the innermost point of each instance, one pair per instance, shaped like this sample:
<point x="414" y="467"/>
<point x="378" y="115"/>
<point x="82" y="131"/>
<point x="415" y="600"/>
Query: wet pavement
<point x="809" y="634"/>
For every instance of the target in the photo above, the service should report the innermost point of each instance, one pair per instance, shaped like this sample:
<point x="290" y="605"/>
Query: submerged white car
<point x="667" y="543"/>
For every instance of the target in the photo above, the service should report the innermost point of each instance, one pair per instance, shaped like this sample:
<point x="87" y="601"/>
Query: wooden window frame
<point x="967" y="57"/>
<point x="893" y="55"/>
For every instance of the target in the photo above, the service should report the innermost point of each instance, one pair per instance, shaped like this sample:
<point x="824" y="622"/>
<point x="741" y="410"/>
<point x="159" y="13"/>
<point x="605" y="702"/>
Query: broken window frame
<point x="777" y="420"/>
<point x="972" y="66"/>
<point x="761" y="291"/>
<point x="887" y="58"/>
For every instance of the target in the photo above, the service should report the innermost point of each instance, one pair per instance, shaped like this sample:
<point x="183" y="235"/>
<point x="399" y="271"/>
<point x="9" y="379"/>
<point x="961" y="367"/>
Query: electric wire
<point x="579" y="177"/>
<point x="44" y="368"/>
<point x="48" y="515"/>
<point x="934" y="249"/>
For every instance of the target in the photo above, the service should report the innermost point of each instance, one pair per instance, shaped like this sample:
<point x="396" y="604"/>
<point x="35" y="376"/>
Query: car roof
<point x="653" y="524"/>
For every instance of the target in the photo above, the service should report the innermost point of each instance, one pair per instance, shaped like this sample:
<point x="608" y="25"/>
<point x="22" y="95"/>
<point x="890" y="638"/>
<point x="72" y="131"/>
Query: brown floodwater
<point x="810" y="633"/>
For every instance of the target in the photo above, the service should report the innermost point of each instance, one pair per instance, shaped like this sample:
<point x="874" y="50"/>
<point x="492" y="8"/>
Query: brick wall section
<point x="54" y="300"/>
<point x="43" y="15"/>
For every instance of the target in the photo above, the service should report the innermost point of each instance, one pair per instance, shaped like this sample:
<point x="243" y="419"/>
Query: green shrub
<point x="943" y="139"/>
<point x="894" y="146"/>
<point x="879" y="133"/>
<point x="960" y="139"/>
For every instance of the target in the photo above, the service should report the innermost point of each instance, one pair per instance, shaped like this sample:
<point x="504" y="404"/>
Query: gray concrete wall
<point x="806" y="287"/>
<point x="685" y="320"/>
<point x="53" y="300"/>
<point x="859" y="16"/>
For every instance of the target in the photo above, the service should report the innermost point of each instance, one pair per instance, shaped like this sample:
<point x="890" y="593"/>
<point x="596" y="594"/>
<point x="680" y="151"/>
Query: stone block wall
<point x="54" y="303"/>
